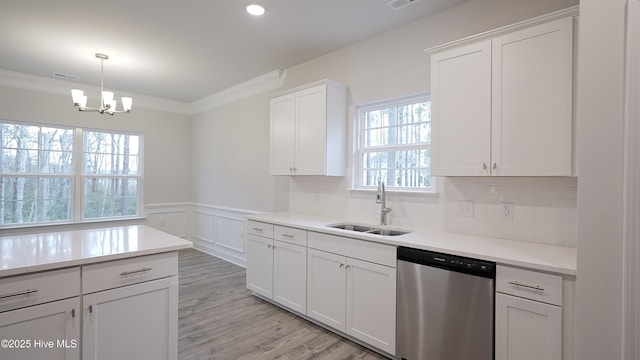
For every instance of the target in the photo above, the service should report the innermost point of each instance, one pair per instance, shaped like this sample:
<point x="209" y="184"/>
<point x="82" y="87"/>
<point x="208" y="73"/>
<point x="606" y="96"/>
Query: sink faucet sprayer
<point x="381" y="198"/>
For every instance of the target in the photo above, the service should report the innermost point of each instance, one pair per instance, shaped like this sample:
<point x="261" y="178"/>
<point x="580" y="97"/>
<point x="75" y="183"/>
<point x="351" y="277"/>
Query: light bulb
<point x="107" y="97"/>
<point x="77" y="95"/>
<point x="126" y="103"/>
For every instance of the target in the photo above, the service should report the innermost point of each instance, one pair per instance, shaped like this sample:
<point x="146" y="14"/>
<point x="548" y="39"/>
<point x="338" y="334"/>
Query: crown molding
<point x="260" y="84"/>
<point x="46" y="85"/>
<point x="570" y="11"/>
<point x="269" y="81"/>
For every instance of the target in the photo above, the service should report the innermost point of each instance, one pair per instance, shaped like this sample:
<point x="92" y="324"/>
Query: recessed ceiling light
<point x="255" y="8"/>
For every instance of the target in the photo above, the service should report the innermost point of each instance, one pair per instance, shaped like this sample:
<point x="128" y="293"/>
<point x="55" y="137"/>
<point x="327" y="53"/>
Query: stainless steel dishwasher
<point x="445" y="306"/>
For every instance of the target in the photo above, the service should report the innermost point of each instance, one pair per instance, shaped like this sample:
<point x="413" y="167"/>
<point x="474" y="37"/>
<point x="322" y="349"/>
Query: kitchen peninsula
<point x="118" y="282"/>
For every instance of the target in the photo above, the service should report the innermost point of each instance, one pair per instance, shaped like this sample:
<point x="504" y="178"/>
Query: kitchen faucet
<point x="381" y="198"/>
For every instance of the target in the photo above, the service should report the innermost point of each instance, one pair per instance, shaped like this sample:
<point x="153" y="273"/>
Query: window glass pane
<point x="19" y="196"/>
<point x="54" y="203"/>
<point x="34" y="149"/>
<point x="98" y="195"/>
<point x="395" y="145"/>
<point x="110" y="153"/>
<point x="109" y="197"/>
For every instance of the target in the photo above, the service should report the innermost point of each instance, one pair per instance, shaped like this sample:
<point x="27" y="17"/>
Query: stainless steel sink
<point x="369" y="229"/>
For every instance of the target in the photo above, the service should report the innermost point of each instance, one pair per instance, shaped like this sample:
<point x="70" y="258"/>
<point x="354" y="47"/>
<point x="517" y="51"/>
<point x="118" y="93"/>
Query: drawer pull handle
<point x="19" y="293"/>
<point x="534" y="287"/>
<point x="90" y="309"/>
<point x="144" y="269"/>
<point x="73" y="313"/>
<point x="257" y="229"/>
<point x="287" y="236"/>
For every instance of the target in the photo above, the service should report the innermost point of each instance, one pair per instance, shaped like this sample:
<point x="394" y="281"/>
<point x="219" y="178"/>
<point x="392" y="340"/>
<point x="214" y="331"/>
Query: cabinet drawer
<point x="113" y="274"/>
<point x="290" y="235"/>
<point x="529" y="284"/>
<point x="357" y="249"/>
<point x="26" y="290"/>
<point x="260" y="229"/>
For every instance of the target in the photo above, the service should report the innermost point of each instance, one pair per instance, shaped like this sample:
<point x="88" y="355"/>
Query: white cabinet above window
<point x="309" y="130"/>
<point x="502" y="106"/>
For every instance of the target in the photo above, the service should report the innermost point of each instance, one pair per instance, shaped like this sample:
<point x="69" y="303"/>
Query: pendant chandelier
<point x="107" y="102"/>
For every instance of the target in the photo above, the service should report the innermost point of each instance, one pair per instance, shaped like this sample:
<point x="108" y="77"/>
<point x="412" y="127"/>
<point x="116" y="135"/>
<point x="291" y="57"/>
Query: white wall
<point x="167" y="161"/>
<point x="600" y="203"/>
<point x="230" y="155"/>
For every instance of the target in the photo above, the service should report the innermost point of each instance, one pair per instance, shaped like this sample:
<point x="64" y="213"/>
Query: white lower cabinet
<point x="132" y="322"/>
<point x="354" y="296"/>
<point x="527" y="330"/>
<point x="326" y="288"/>
<point x="129" y="311"/>
<point x="130" y="308"/>
<point x="260" y="265"/>
<point x="48" y="332"/>
<point x="371" y="303"/>
<point x="528" y="315"/>
<point x="289" y="275"/>
<point x="40" y="315"/>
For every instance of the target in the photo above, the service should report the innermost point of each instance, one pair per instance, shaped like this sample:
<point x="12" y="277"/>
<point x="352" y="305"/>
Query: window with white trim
<point x="55" y="174"/>
<point x="394" y="139"/>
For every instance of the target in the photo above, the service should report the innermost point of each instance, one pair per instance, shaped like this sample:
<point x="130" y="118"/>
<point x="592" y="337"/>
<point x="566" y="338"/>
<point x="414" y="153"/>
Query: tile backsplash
<point x="543" y="209"/>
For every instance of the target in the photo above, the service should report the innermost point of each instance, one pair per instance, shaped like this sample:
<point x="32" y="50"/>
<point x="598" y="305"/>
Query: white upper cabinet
<point x="308" y="130"/>
<point x="461" y="110"/>
<point x="503" y="106"/>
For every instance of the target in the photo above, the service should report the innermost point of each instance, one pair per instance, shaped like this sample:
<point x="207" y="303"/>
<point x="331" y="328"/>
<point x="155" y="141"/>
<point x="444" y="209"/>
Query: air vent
<point x="397" y="4"/>
<point x="65" y="76"/>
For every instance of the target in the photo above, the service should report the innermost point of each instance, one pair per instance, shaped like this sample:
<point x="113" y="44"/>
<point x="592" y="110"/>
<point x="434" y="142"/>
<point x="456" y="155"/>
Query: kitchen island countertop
<point x="21" y="254"/>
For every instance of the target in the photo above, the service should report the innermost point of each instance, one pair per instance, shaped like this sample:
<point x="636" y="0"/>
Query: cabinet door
<point x="260" y="265"/>
<point x="326" y="288"/>
<point x="132" y="322"/>
<point x="290" y="276"/>
<point x="50" y="331"/>
<point x="283" y="115"/>
<point x="532" y="101"/>
<point x="371" y="304"/>
<point x="527" y="330"/>
<point x="461" y="111"/>
<point x="311" y="131"/>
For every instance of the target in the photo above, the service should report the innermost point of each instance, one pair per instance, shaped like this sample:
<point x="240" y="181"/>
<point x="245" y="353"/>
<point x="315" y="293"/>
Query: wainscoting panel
<point x="202" y="226"/>
<point x="170" y="218"/>
<point x="227" y="229"/>
<point x="230" y="232"/>
<point x="218" y="231"/>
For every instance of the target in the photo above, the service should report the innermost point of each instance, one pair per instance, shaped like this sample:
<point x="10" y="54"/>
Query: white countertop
<point x="20" y="254"/>
<point x="555" y="259"/>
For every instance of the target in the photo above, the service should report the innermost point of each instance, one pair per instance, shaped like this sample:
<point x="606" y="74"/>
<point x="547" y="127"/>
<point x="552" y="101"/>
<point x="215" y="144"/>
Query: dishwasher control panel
<point x="449" y="262"/>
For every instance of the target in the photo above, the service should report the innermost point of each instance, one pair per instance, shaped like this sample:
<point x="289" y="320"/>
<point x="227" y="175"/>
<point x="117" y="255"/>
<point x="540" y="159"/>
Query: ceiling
<point x="186" y="50"/>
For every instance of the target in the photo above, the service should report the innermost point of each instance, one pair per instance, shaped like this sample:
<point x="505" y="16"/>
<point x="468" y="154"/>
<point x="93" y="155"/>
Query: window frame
<point x="359" y="137"/>
<point x="77" y="178"/>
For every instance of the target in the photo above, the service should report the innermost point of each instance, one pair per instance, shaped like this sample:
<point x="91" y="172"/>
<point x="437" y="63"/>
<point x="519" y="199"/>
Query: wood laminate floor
<point x="219" y="319"/>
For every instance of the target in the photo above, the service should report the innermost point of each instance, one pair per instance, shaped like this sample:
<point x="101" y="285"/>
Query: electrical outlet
<point x="506" y="209"/>
<point x="465" y="208"/>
